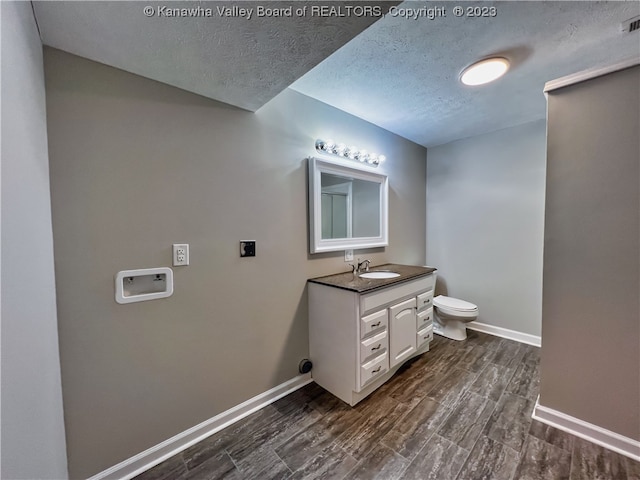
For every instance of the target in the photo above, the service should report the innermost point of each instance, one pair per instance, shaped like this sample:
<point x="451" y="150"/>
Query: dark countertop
<point x="351" y="281"/>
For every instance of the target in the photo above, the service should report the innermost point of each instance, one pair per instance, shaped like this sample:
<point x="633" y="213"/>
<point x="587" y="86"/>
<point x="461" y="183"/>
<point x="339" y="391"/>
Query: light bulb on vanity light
<point x="330" y="146"/>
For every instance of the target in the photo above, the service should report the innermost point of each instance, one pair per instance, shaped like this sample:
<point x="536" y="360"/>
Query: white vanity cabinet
<point x="358" y="339"/>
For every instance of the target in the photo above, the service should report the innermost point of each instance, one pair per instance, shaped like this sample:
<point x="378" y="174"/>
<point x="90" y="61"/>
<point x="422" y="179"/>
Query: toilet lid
<point x="453" y="304"/>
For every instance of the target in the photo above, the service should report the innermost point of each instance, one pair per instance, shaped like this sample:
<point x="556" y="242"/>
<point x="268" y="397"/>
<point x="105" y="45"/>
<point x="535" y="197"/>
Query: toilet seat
<point x="455" y="306"/>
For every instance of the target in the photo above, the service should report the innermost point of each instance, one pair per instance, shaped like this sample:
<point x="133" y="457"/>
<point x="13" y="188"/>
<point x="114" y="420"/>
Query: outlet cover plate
<point x="180" y="254"/>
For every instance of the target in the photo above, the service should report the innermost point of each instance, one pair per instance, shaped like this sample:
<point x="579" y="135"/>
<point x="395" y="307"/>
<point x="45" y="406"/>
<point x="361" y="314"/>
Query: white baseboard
<point x="594" y="434"/>
<point x="153" y="456"/>
<point x="534" y="340"/>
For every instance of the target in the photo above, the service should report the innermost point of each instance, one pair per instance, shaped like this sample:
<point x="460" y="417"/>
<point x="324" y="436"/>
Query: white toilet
<point x="451" y="315"/>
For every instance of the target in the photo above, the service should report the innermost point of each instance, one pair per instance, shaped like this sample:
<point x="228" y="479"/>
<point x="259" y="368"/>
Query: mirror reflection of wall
<point x="366" y="209"/>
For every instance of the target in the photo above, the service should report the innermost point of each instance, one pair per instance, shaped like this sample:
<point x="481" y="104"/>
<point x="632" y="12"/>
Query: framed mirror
<point x="348" y="206"/>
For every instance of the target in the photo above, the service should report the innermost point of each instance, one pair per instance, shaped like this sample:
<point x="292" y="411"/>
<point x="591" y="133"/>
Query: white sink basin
<point x="379" y="275"/>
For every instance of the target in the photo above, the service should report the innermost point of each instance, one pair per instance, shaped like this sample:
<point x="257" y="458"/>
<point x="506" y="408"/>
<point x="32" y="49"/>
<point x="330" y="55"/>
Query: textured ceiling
<point x="402" y="74"/>
<point x="399" y="73"/>
<point x="240" y="60"/>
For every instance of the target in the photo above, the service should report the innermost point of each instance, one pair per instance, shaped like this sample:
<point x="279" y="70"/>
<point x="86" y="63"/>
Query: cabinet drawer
<point x="424" y="319"/>
<point x="425" y="300"/>
<point x="374" y="346"/>
<point x="371" y="301"/>
<point x="373" y="368"/>
<point x="424" y="336"/>
<point x="375" y="321"/>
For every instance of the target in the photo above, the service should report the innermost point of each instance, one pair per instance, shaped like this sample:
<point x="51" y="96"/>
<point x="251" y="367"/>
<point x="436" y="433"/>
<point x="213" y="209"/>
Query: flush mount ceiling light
<point x="352" y="153"/>
<point x="484" y="71"/>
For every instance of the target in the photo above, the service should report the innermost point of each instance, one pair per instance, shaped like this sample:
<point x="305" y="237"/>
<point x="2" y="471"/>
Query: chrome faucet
<point x="363" y="264"/>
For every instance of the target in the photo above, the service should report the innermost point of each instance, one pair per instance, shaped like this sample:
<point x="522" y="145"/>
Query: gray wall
<point x="590" y="364"/>
<point x="485" y="214"/>
<point x="136" y="166"/>
<point x="33" y="443"/>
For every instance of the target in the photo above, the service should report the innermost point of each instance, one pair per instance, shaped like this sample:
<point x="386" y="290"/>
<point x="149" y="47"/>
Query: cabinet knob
<point x="376" y="348"/>
<point x="377" y="324"/>
<point x="376" y="370"/>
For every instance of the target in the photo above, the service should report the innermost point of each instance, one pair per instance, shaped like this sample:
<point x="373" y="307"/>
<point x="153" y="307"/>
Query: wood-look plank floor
<point x="461" y="411"/>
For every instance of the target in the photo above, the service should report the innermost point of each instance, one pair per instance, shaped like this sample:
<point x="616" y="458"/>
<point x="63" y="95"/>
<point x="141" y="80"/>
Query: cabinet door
<point x="402" y="331"/>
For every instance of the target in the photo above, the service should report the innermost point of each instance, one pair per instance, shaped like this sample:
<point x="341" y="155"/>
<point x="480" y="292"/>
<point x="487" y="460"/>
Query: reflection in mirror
<point x="348" y="206"/>
<point x="336" y="206"/>
<point x="366" y="209"/>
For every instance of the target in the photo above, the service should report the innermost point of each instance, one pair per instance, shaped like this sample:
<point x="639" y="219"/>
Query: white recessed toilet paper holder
<point x="144" y="284"/>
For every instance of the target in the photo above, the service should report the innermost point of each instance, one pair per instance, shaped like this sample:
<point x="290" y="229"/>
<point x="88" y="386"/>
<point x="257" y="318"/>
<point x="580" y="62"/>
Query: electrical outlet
<point x="180" y="254"/>
<point x="348" y="255"/>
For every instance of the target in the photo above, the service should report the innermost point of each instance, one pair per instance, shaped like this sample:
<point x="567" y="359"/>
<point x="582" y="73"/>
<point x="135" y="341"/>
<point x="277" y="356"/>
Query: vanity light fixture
<point x="352" y="153"/>
<point x="484" y="71"/>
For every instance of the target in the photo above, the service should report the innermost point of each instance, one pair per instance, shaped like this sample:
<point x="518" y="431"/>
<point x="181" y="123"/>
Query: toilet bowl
<point x="451" y="317"/>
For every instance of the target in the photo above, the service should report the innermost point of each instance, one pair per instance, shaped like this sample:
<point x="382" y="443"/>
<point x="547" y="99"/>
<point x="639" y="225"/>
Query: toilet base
<point x="451" y="316"/>
<point x="453" y="329"/>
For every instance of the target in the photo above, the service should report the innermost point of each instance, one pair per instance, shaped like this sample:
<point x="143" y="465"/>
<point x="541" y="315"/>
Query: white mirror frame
<point x="317" y="244"/>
